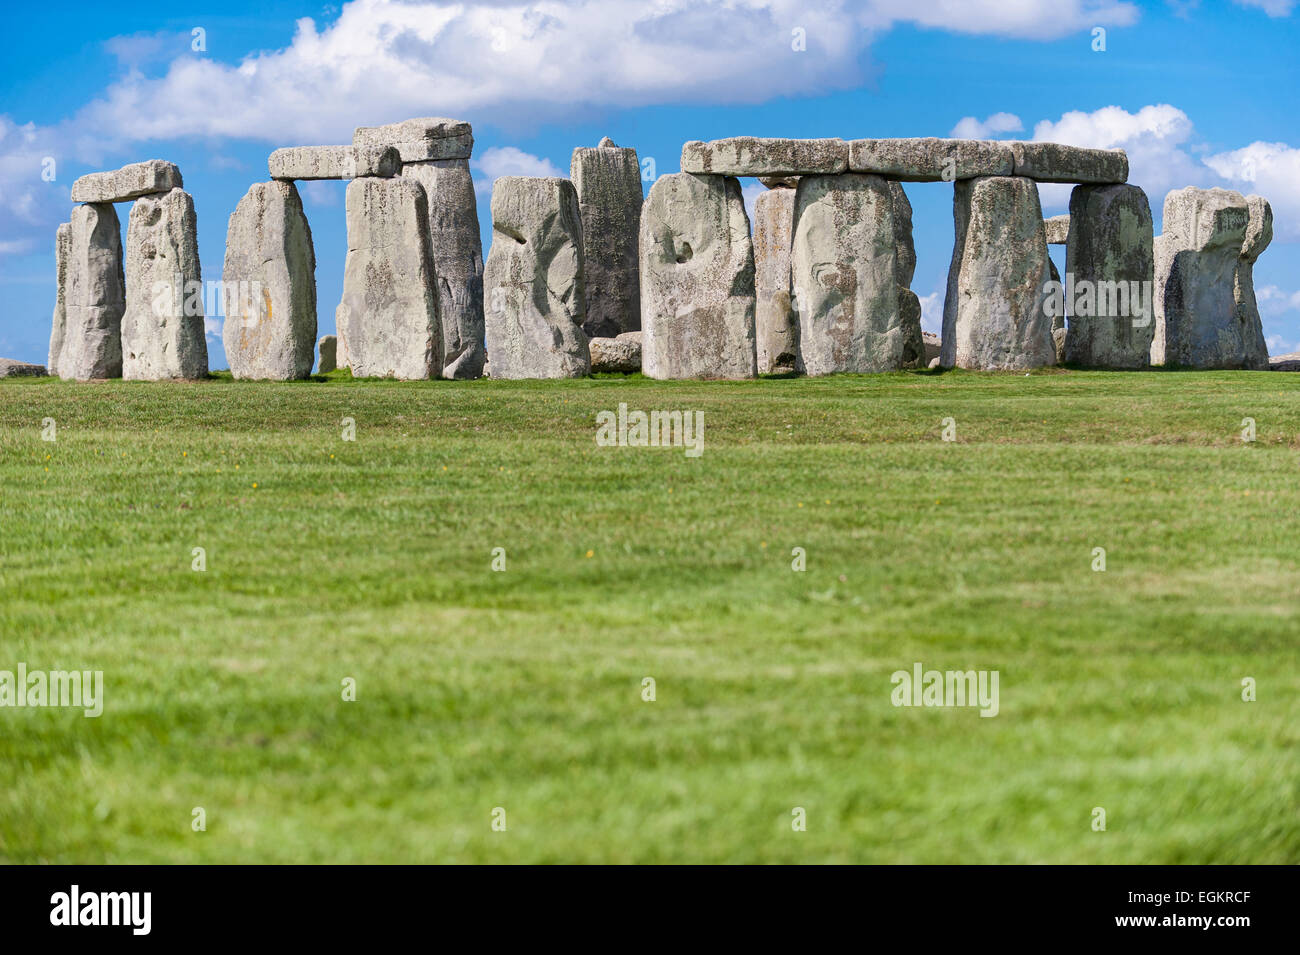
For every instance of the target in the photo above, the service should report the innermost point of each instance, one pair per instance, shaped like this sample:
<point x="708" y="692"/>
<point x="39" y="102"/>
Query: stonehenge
<point x="389" y="312"/>
<point x="608" y="181"/>
<point x="328" y="349"/>
<point x="162" y="327"/>
<point x="1109" y="256"/>
<point x="534" y="281"/>
<point x="269" y="281"/>
<point x="95" y="298"/>
<point x="1205" y="315"/>
<point x="994" y="315"/>
<point x="844" y="268"/>
<point x="584" y="275"/>
<point x="435" y="151"/>
<point x="776" y="325"/>
<point x="697" y="280"/>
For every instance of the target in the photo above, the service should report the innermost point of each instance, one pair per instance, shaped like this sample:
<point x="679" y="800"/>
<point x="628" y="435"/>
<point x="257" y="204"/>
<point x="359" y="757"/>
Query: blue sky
<point x="1200" y="93"/>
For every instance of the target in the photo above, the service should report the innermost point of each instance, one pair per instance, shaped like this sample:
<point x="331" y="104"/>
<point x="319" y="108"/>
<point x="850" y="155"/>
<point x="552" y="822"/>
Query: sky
<point x="1200" y="92"/>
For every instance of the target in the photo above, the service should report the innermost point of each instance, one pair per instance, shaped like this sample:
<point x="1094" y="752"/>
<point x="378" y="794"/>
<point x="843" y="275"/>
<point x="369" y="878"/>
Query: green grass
<point x="371" y="559"/>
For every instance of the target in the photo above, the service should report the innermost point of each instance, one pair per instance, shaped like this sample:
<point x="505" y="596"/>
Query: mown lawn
<point x="371" y="560"/>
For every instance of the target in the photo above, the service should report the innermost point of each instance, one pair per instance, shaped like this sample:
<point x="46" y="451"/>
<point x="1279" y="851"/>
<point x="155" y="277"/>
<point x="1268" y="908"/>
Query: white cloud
<point x="1274" y="8"/>
<point x="971" y="128"/>
<point x="508" y="161"/>
<point x="932" y="312"/>
<point x="1271" y="170"/>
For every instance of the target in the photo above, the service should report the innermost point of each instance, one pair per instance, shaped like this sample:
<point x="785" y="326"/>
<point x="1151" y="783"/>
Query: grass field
<point x="371" y="560"/>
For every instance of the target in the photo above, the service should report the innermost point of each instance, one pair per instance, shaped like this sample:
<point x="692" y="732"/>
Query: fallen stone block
<point x="1109" y="260"/>
<point x="534" y="281"/>
<point x="752" y="156"/>
<point x="608" y="182"/>
<point x="333" y="162"/>
<point x="130" y="182"/>
<point x="452" y="211"/>
<point x="844" y="270"/>
<point x="994" y="315"/>
<point x="9" y="368"/>
<point x="1053" y="162"/>
<point x="96" y="295"/>
<point x="697" y="280"/>
<point x="162" y="329"/>
<point x="928" y="159"/>
<point x="776" y="325"/>
<point x="421" y="140"/>
<point x="270" y="285"/>
<point x="388" y="316"/>
<point x="620" y="354"/>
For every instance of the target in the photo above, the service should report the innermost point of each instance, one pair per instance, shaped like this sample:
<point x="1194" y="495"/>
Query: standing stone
<point x="162" y="330"/>
<point x="994" y="315"/>
<point x="909" y="304"/>
<point x="62" y="252"/>
<point x="845" y="273"/>
<point x="95" y="297"/>
<point x="1058" y="320"/>
<point x="328" y="348"/>
<point x="697" y="280"/>
<point x="1197" y="323"/>
<point x="341" y="358"/>
<point x="270" y="285"/>
<point x="776" y="325"/>
<point x="1259" y="233"/>
<point x="1110" y="249"/>
<point x="389" y="312"/>
<point x="534" y="280"/>
<point x="452" y="212"/>
<point x="608" y="182"/>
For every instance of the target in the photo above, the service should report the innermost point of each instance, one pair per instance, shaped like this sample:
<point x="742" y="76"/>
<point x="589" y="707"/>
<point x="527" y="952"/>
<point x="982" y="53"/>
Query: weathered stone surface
<point x="62" y="253"/>
<point x="457" y="259"/>
<point x="1058" y="320"/>
<point x="341" y="352"/>
<point x="96" y="295"/>
<point x="1197" y="322"/>
<point x="753" y="156"/>
<point x="270" y="285"/>
<point x="620" y="354"/>
<point x="333" y="162"/>
<point x="421" y="140"/>
<point x="129" y="182"/>
<point x="1058" y="230"/>
<point x="904" y="247"/>
<point x="608" y="182"/>
<point x="389" y="313"/>
<point x="1110" y="261"/>
<point x="909" y="318"/>
<point x="779" y="182"/>
<point x="928" y="159"/>
<point x="776" y="325"/>
<point x="1053" y="162"/>
<point x="844" y="269"/>
<point x="933" y="345"/>
<point x="1259" y="233"/>
<point x="697" y="280"/>
<point x="328" y="348"/>
<point x="994" y="316"/>
<point x="162" y="328"/>
<point x="9" y="368"/>
<point x="534" y="280"/>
